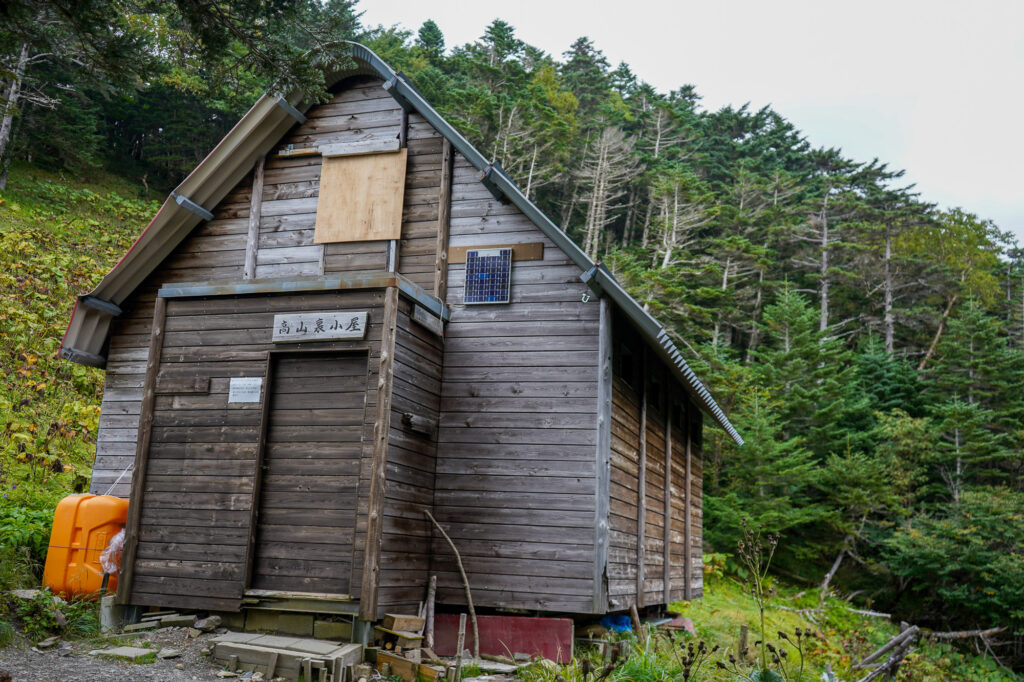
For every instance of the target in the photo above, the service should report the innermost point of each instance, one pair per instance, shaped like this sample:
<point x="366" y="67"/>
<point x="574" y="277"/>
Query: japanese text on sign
<point x="245" y="389"/>
<point x="319" y="326"/>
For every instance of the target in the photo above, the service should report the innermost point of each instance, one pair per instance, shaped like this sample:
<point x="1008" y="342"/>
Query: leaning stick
<point x="465" y="583"/>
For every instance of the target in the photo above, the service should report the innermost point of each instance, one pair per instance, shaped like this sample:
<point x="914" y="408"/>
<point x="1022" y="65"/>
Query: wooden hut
<point x="346" y="315"/>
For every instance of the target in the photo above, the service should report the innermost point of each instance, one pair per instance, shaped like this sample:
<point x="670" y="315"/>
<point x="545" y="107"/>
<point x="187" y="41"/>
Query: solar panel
<point x="488" y="276"/>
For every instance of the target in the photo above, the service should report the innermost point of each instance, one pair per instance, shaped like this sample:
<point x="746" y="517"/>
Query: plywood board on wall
<point x="361" y="198"/>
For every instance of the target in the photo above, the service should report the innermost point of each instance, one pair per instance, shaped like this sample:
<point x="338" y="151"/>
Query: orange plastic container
<point x="82" y="527"/>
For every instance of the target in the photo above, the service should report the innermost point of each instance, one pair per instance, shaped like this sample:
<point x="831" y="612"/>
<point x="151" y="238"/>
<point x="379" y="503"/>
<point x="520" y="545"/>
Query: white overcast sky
<point x="935" y="87"/>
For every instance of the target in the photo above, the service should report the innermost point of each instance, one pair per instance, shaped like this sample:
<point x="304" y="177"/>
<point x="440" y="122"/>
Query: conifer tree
<point x="813" y="378"/>
<point x="430" y="39"/>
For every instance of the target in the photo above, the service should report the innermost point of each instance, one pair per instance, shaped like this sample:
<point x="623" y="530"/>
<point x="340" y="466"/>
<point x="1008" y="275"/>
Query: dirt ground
<point x="71" y="662"/>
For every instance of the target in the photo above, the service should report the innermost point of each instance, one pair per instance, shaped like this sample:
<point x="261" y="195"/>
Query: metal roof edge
<point x="655" y="333"/>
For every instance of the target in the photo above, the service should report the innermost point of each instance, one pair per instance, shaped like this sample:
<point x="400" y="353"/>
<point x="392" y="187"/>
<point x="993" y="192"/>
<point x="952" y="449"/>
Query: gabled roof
<point x="254" y="136"/>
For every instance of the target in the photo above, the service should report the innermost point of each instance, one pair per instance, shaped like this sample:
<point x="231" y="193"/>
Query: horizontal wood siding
<point x="215" y="250"/>
<point x="199" y="485"/>
<point x="122" y="398"/>
<point x="405" y="542"/>
<point x="515" y="479"/>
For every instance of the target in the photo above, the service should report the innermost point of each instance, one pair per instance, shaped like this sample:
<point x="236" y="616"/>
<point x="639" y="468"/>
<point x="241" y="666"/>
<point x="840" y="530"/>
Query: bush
<point x="967" y="567"/>
<point x="26" y="530"/>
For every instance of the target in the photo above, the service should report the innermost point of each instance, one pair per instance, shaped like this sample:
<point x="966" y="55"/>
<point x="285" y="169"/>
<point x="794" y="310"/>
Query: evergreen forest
<point x="867" y="344"/>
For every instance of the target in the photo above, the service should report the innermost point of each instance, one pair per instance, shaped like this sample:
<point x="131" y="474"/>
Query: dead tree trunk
<point x="10" y="107"/>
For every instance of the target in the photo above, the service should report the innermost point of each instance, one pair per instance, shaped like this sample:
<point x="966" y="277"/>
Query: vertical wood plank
<point x="257" y="480"/>
<point x="391" y="256"/>
<point x="403" y="130"/>
<point x="641" y="498"/>
<point x="667" y="549"/>
<point x="381" y="426"/>
<point x="156" y="342"/>
<point x="603" y="465"/>
<point x="687" y="535"/>
<point x="444" y="210"/>
<point x="255" y="207"/>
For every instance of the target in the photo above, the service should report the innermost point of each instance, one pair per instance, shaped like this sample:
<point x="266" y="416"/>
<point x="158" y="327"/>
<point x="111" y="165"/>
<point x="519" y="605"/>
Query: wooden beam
<point x="252" y="244"/>
<point x="290" y="151"/>
<point x="444" y="210"/>
<point x="391" y="255"/>
<point x="521" y="251"/>
<point x="428" y="320"/>
<point x="101" y="305"/>
<point x="403" y="130"/>
<point x="156" y="343"/>
<point x="378" y="471"/>
<point x="641" y="493"/>
<point x="688" y="496"/>
<point x="603" y="458"/>
<point x="373" y="145"/>
<point x="257" y="480"/>
<point x="667" y="549"/>
<point x="354" y="280"/>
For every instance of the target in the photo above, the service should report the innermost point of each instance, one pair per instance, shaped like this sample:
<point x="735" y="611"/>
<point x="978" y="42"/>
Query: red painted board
<point x="505" y="635"/>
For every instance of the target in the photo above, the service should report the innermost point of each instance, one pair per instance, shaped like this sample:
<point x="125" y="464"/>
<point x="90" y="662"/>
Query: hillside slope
<point x="57" y="239"/>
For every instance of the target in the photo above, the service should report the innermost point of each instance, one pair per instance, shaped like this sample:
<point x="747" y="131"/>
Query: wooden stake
<point x="428" y="634"/>
<point x="465" y="583"/>
<point x="460" y="646"/>
<point x="634" y="616"/>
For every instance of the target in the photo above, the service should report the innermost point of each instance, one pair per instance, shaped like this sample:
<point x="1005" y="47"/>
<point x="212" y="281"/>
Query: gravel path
<point x="71" y="662"/>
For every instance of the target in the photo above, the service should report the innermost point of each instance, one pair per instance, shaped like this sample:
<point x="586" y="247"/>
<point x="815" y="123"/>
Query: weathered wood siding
<point x="122" y="398"/>
<point x="405" y="542"/>
<point x="633" y="442"/>
<point x="511" y="471"/>
<point x="198" y="488"/>
<point x="696" y="502"/>
<point x="515" y="483"/>
<point x="654" y="525"/>
<point x="623" y="507"/>
<point x="216" y="250"/>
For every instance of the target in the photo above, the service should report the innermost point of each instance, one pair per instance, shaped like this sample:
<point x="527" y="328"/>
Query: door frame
<point x="257" y="480"/>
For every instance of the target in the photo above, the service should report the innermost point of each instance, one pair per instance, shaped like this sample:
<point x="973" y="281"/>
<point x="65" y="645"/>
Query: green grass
<point x="57" y="239"/>
<point x="838" y="639"/>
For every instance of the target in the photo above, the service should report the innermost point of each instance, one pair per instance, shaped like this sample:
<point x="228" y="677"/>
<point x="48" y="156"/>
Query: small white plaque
<point x="245" y="389"/>
<point x="319" y="326"/>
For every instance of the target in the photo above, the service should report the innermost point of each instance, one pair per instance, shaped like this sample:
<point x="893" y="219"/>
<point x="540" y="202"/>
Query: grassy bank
<point x="57" y="239"/>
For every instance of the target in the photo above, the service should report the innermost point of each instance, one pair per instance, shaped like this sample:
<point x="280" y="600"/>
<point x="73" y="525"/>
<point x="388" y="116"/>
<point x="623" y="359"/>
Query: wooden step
<point x="286" y="657"/>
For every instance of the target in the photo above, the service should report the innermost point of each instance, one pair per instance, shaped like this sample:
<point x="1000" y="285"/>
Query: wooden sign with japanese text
<point x="326" y="326"/>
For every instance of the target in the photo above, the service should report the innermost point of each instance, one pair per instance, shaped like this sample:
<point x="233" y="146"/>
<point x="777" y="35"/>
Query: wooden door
<point x="309" y="481"/>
